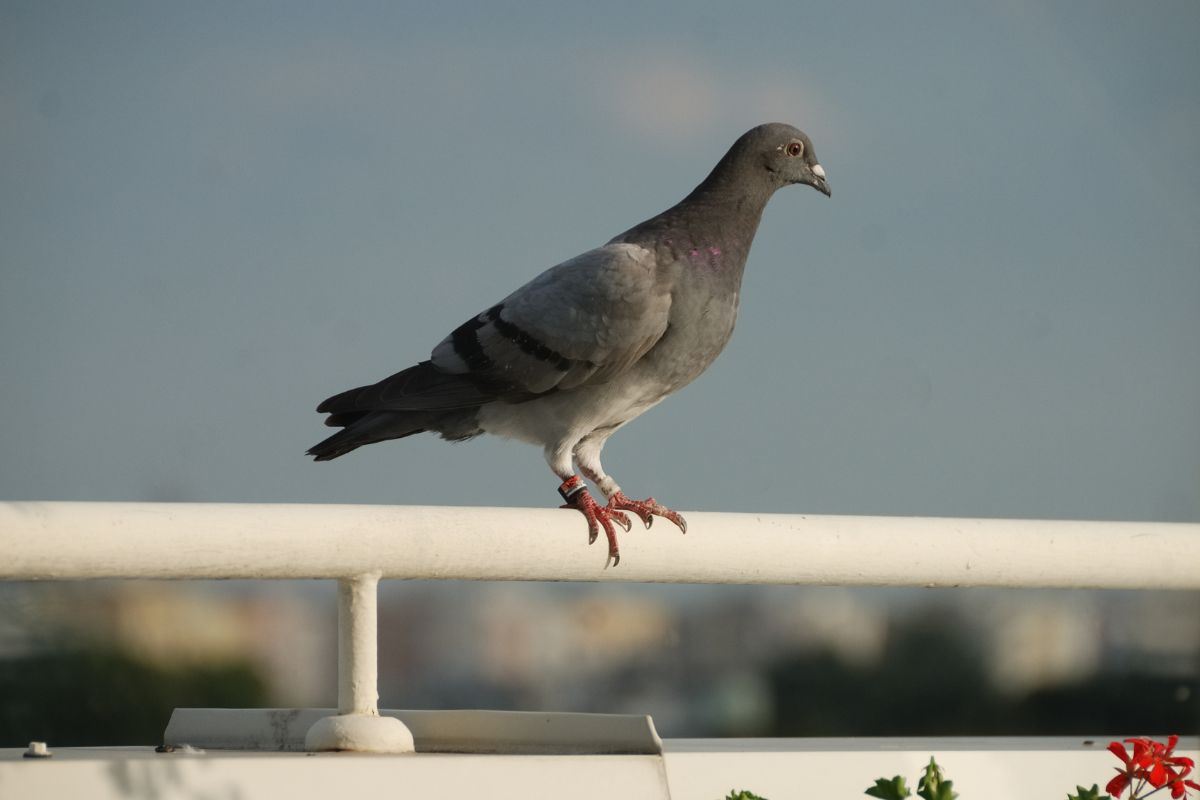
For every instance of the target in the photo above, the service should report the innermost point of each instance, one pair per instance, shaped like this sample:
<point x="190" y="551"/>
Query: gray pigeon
<point x="590" y="344"/>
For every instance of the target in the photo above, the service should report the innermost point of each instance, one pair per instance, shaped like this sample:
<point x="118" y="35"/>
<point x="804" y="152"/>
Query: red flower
<point x="1117" y="786"/>
<point x="1154" y="763"/>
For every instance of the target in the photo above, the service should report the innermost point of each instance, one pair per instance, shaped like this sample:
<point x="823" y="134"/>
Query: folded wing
<point x="580" y="322"/>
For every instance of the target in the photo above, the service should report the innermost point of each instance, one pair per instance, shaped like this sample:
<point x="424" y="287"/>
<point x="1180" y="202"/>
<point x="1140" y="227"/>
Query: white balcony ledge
<point x="688" y="769"/>
<point x="512" y="732"/>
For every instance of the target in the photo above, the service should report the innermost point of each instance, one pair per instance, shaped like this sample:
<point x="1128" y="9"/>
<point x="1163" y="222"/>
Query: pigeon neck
<point x="718" y="220"/>
<point x="736" y="206"/>
<point x="723" y="212"/>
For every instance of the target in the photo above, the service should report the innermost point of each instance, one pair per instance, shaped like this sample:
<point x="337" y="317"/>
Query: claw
<point x="646" y="510"/>
<point x="597" y="516"/>
<point x="645" y="516"/>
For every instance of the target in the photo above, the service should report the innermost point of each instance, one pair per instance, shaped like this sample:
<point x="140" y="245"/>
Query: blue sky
<point x="215" y="215"/>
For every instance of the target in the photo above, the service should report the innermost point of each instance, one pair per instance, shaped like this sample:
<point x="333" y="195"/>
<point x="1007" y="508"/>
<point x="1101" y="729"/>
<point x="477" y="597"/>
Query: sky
<point x="214" y="215"/>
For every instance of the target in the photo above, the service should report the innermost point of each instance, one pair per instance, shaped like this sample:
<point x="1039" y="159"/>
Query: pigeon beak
<point x="818" y="181"/>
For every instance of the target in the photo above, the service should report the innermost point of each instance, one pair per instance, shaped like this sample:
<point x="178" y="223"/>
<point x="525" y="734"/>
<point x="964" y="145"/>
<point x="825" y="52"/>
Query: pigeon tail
<point x="368" y="429"/>
<point x="420" y="398"/>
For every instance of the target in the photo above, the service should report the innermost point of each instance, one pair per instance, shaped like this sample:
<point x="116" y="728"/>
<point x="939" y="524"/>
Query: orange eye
<point x="795" y="149"/>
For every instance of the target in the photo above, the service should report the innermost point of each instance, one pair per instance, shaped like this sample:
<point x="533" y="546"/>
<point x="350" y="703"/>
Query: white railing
<point x="67" y="541"/>
<point x="358" y="545"/>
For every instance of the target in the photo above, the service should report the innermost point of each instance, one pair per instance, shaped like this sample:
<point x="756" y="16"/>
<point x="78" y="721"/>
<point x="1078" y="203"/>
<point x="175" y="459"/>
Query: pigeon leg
<point x="578" y="497"/>
<point x="587" y="455"/>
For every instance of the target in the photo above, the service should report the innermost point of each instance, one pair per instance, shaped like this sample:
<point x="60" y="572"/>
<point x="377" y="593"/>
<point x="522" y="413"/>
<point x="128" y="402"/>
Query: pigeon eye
<point x="794" y="149"/>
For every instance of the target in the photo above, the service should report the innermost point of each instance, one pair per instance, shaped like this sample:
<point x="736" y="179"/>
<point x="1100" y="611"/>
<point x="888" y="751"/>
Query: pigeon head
<point x="775" y="154"/>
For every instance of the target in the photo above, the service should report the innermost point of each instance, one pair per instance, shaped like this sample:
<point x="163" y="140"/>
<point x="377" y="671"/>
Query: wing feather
<point x="582" y="321"/>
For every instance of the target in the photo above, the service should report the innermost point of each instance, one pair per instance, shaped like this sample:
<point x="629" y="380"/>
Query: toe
<point x="614" y="552"/>
<point x="644" y="514"/>
<point x="620" y="501"/>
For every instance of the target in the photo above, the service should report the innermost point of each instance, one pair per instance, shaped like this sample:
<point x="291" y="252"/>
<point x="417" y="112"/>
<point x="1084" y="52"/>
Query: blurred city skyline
<point x="730" y="661"/>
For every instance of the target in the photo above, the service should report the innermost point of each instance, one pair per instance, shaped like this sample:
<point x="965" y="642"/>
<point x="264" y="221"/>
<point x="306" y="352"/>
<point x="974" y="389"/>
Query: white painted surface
<point x="357" y="645"/>
<point x="357" y="725"/>
<point x="358" y="733"/>
<point x="54" y="540"/>
<point x="779" y="769"/>
<point x="459" y="731"/>
<point x="123" y="773"/>
<point x="37" y="750"/>
<point x="806" y="769"/>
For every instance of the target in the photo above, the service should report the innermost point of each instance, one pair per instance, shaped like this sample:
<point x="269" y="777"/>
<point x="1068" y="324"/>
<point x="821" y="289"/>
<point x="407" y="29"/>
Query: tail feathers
<point x="421" y="387"/>
<point x="345" y="418"/>
<point x="374" y="427"/>
<point x="417" y="399"/>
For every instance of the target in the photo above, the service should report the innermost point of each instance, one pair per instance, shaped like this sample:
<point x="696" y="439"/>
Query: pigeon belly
<point x="572" y="414"/>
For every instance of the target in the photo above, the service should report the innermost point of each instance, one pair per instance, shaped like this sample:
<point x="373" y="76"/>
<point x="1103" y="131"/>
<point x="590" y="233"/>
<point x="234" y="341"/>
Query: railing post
<point x="358" y="725"/>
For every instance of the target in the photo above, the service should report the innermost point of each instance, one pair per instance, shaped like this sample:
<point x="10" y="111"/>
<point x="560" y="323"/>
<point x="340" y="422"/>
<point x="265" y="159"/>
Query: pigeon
<point x="592" y="343"/>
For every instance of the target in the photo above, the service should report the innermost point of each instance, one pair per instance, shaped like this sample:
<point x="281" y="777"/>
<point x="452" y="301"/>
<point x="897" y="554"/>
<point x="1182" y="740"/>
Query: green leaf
<point x="1088" y="794"/>
<point x="743" y="795"/>
<point x="889" y="790"/>
<point x="933" y="785"/>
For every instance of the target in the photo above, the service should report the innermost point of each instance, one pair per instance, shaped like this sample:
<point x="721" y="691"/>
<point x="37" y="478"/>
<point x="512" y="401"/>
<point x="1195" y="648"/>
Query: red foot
<point x="598" y="516"/>
<point x="646" y="509"/>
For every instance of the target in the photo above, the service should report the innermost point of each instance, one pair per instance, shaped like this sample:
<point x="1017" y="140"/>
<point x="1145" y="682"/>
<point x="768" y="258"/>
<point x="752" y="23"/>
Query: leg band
<point x="571" y="487"/>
